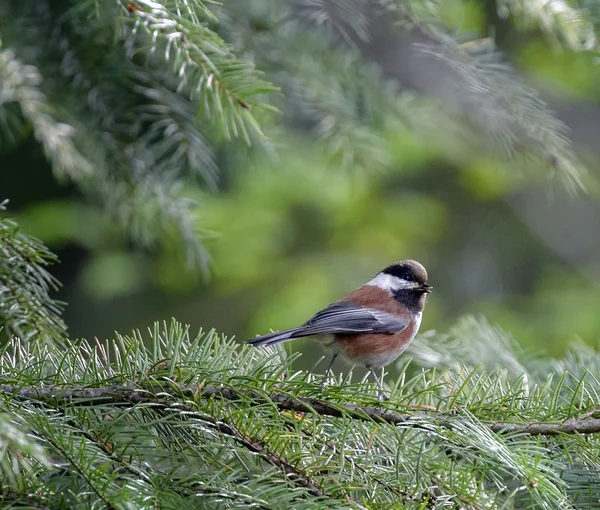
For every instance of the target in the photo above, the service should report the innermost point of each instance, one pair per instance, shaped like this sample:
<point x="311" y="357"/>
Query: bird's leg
<point x="324" y="382"/>
<point x="381" y="395"/>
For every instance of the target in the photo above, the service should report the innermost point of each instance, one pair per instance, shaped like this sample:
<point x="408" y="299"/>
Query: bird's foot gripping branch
<point x="173" y="419"/>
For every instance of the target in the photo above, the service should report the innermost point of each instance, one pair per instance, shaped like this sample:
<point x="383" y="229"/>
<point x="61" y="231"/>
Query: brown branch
<point x="570" y="426"/>
<point x="63" y="451"/>
<point x="253" y="444"/>
<point x="156" y="393"/>
<point x="122" y="464"/>
<point x="256" y="446"/>
<point x="124" y="394"/>
<point x="105" y="447"/>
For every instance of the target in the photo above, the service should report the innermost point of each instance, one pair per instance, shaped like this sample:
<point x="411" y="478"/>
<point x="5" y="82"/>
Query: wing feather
<point x="345" y="318"/>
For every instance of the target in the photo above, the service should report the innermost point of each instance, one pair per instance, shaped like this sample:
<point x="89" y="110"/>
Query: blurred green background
<point x="297" y="222"/>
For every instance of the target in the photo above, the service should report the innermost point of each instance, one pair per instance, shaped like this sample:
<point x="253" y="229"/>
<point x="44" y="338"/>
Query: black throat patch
<point x="414" y="300"/>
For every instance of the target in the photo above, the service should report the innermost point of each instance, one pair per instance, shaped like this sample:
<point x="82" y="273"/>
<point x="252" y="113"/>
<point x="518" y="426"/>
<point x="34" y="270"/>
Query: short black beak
<point x="426" y="288"/>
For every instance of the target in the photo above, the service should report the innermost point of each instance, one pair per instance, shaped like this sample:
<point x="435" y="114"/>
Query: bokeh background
<point x="346" y="184"/>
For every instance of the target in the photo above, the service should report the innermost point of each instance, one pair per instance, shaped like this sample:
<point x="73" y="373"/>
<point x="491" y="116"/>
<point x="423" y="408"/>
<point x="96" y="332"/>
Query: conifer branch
<point x="206" y="419"/>
<point x="256" y="445"/>
<point x="122" y="394"/>
<point x="428" y="499"/>
<point x="227" y="87"/>
<point x="10" y="498"/>
<point x="81" y="471"/>
<point x="561" y="21"/>
<point x="155" y="394"/>
<point x="26" y="308"/>
<point x="23" y="84"/>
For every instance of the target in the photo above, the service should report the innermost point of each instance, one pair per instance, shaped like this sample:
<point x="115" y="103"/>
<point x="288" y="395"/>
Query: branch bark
<point x="55" y="396"/>
<point x="256" y="446"/>
<point x="163" y="394"/>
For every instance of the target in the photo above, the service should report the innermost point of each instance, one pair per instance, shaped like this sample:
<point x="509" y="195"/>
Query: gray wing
<point x="344" y="318"/>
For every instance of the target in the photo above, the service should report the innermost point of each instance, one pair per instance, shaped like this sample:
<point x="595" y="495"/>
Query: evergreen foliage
<point x="26" y="308"/>
<point x="170" y="419"/>
<point x="122" y="96"/>
<point x="132" y="100"/>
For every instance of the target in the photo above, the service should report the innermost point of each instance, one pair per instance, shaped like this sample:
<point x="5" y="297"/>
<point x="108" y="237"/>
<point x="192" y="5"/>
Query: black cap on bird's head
<point x="412" y="275"/>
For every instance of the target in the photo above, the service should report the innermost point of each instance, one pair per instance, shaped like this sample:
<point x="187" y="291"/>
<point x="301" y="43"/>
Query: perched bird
<point x="372" y="325"/>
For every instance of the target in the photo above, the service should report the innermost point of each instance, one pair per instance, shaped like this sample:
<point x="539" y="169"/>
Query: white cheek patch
<point x="390" y="283"/>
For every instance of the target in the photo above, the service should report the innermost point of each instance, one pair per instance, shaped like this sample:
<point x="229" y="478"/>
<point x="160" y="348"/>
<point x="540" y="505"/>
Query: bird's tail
<point x="274" y="338"/>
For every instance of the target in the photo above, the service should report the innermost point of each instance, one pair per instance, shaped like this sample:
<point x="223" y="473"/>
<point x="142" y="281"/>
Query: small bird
<point x="372" y="325"/>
